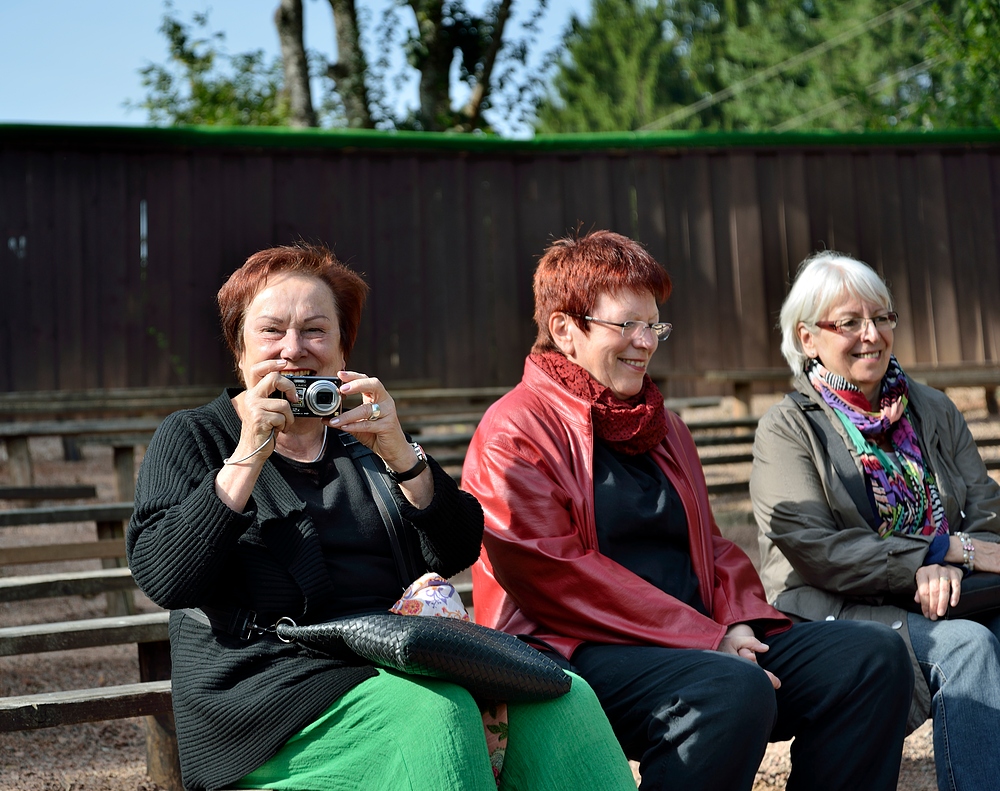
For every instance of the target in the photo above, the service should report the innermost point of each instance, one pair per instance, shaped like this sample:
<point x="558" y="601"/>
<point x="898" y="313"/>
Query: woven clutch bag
<point x="489" y="663"/>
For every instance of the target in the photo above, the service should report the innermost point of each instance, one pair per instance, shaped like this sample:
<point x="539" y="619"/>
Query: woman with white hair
<point x="873" y="503"/>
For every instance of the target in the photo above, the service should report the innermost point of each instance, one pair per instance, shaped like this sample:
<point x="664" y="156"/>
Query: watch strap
<point x="414" y="471"/>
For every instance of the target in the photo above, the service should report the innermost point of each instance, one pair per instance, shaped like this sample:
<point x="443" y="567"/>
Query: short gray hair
<point x="822" y="280"/>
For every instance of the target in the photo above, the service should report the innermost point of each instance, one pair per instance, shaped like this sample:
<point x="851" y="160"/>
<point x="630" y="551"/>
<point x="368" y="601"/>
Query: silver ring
<point x="945" y="578"/>
<point x="376" y="412"/>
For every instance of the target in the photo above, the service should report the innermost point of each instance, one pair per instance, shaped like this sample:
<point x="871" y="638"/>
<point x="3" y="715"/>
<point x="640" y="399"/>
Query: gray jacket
<point x="819" y="557"/>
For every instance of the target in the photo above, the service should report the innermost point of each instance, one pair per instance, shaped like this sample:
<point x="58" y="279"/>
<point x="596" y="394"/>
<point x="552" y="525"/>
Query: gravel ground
<point x="110" y="756"/>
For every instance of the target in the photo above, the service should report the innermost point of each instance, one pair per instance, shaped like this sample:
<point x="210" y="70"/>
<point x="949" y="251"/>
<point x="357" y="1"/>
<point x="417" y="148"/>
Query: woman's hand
<point x="262" y="418"/>
<point x="376" y="425"/>
<point x="740" y="641"/>
<point x="938" y="588"/>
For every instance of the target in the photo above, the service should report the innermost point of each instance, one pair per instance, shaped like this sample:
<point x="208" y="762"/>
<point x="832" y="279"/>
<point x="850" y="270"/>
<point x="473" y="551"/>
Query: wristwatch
<point x="414" y="471"/>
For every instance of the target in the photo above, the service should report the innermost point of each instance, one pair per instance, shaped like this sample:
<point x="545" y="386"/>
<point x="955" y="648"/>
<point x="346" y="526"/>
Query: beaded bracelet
<point x="968" y="552"/>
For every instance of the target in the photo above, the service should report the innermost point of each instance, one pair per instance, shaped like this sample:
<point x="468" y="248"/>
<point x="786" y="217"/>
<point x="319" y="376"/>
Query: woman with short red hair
<point x="600" y="541"/>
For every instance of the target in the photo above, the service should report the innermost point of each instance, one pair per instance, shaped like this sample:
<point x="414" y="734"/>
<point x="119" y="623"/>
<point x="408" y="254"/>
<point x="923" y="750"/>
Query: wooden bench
<point x="149" y="698"/>
<point x="940" y="376"/>
<point x="114" y="580"/>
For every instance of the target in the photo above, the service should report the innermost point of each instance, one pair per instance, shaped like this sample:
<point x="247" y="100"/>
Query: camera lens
<point x="322" y="398"/>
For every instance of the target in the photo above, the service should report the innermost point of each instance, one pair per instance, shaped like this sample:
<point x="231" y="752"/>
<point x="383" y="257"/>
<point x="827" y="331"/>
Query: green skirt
<point x="403" y="733"/>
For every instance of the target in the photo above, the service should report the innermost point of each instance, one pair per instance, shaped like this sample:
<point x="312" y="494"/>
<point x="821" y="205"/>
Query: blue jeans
<point x="961" y="662"/>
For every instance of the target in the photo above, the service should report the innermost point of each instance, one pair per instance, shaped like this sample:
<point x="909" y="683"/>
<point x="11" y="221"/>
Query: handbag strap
<point x="838" y="453"/>
<point x="364" y="459"/>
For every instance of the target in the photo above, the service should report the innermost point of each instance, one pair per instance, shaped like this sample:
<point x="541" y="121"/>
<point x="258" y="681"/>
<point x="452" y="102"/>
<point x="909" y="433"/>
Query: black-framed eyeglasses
<point x="633" y="329"/>
<point x="856" y="324"/>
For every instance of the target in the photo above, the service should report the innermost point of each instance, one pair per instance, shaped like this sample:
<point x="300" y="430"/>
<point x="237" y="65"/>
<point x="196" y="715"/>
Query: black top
<point x="355" y="543"/>
<point x="236" y="703"/>
<point x="641" y="523"/>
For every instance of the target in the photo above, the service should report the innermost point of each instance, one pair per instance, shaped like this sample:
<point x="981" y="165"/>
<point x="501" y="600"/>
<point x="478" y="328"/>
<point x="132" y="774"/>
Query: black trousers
<point x="702" y="720"/>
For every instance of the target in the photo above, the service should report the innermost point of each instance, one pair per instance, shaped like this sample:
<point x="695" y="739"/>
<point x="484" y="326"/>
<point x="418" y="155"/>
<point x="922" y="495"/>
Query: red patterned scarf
<point x="633" y="426"/>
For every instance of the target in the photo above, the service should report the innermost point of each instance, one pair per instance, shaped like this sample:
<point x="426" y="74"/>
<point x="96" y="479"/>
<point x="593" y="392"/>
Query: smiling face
<point x="862" y="359"/>
<point x="293" y="318"/>
<point x="616" y="362"/>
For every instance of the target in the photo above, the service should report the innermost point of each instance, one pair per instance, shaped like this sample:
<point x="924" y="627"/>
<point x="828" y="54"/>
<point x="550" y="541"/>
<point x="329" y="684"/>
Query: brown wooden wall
<point x="447" y="234"/>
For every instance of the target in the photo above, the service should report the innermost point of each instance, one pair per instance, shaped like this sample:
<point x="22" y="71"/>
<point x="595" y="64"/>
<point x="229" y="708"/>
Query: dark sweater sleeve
<point x="181" y="534"/>
<point x="450" y="527"/>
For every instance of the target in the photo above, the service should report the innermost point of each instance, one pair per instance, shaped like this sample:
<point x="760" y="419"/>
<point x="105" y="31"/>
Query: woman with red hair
<point x="600" y="541"/>
<point x="246" y="512"/>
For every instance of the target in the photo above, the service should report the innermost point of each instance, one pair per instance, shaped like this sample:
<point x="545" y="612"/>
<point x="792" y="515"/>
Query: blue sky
<point x="66" y="61"/>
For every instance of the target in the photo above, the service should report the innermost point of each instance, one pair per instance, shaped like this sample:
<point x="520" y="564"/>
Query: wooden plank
<point x="118" y="400"/>
<point x="891" y="261"/>
<point x="48" y="709"/>
<point x="77" y="583"/>
<point x="84" y="633"/>
<point x="22" y="471"/>
<point x="726" y="265"/>
<point x="756" y="333"/>
<point x="66" y="492"/>
<point x="841" y="202"/>
<point x="940" y="273"/>
<point x="699" y="303"/>
<point x="68" y="428"/>
<point x="60" y="514"/>
<point x="447" y="294"/>
<point x="51" y="553"/>
<point x="774" y="247"/>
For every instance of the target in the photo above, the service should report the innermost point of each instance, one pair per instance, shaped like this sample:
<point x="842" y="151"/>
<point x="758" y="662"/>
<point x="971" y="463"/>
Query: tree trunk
<point x="350" y="69"/>
<point x="473" y="109"/>
<point x="288" y="20"/>
<point x="434" y="64"/>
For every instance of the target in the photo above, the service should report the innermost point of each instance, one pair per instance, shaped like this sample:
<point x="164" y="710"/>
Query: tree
<point x="620" y="70"/>
<point x="200" y="84"/>
<point x="437" y="33"/>
<point x="288" y="20"/>
<point x="742" y="65"/>
<point x="963" y="89"/>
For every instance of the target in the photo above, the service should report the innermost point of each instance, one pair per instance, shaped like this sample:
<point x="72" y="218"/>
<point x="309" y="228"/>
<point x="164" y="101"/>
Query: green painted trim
<point x="124" y="137"/>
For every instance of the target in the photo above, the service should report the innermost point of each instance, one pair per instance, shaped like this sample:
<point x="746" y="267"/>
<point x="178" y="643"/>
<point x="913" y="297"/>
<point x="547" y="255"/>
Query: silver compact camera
<point x="319" y="396"/>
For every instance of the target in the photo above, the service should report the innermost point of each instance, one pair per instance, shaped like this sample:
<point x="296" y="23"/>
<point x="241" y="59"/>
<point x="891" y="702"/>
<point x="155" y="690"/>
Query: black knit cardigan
<point x="236" y="703"/>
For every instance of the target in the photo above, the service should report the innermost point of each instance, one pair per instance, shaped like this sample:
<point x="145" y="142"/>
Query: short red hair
<point x="349" y="290"/>
<point x="573" y="273"/>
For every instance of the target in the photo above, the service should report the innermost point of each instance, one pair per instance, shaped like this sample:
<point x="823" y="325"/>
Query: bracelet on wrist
<point x="231" y="460"/>
<point x="414" y="471"/>
<point x="968" y="552"/>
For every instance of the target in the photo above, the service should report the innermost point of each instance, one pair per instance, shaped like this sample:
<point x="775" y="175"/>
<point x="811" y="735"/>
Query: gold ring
<point x="376" y="412"/>
<point x="945" y="578"/>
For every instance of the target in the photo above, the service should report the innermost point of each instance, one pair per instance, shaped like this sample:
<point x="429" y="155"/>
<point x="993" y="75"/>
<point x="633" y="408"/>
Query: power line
<point x="836" y="104"/>
<point x="761" y="76"/>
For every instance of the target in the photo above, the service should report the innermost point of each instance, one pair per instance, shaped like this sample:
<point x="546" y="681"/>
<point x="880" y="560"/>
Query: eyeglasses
<point x="856" y="324"/>
<point x="633" y="329"/>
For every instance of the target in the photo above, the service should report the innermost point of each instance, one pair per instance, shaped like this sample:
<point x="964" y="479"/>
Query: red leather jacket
<point x="530" y="464"/>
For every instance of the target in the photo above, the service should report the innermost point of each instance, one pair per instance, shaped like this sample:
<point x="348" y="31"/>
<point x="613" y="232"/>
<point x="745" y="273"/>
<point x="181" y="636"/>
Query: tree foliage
<point x="200" y="84"/>
<point x="964" y="80"/>
<point x="775" y="65"/>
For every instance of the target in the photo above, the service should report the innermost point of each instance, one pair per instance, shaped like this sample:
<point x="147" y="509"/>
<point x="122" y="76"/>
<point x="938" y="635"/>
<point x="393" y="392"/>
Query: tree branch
<point x="472" y="112"/>
<point x="348" y="73"/>
<point x="288" y="20"/>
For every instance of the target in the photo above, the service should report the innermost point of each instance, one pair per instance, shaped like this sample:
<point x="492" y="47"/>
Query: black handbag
<point x="980" y="596"/>
<point x="491" y="664"/>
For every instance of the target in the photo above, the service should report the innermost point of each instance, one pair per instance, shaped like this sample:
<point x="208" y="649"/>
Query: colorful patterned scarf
<point x="632" y="427"/>
<point x="905" y="492"/>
